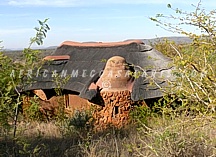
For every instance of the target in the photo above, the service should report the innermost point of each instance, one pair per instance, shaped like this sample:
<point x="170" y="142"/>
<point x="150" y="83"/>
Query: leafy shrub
<point x="12" y="80"/>
<point x="183" y="119"/>
<point x="194" y="63"/>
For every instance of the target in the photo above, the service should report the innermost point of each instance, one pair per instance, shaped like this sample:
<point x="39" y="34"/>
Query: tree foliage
<point x="195" y="63"/>
<point x="12" y="76"/>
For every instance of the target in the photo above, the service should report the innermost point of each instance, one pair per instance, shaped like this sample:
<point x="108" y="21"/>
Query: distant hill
<point x="16" y="54"/>
<point x="177" y="40"/>
<point x="52" y="47"/>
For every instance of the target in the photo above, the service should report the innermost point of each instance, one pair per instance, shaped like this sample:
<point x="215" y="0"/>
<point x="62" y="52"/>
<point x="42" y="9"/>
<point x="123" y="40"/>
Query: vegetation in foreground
<point x="162" y="136"/>
<point x="180" y="124"/>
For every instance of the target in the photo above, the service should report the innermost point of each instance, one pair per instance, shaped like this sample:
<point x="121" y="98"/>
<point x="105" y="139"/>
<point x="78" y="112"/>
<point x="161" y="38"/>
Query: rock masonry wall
<point x="116" y="110"/>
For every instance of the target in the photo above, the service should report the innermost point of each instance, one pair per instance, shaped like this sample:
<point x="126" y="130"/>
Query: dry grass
<point x="181" y="136"/>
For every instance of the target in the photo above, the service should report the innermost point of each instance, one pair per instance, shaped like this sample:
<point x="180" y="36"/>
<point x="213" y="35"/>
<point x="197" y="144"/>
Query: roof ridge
<point x="100" y="44"/>
<point x="57" y="57"/>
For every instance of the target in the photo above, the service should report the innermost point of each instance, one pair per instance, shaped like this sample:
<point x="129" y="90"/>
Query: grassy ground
<point x="161" y="136"/>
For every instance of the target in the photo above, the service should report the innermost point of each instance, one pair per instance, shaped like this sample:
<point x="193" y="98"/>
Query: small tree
<point x="12" y="75"/>
<point x="195" y="63"/>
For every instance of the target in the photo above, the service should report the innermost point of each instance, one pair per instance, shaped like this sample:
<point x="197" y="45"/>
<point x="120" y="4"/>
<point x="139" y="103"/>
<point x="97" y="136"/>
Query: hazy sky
<point x="85" y="20"/>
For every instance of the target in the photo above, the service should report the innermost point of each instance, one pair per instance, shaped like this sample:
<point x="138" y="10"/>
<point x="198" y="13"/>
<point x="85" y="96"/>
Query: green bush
<point x="12" y="79"/>
<point x="195" y="66"/>
<point x="182" y="122"/>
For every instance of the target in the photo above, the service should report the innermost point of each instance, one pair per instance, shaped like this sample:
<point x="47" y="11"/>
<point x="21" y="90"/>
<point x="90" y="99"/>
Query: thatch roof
<point x="80" y="60"/>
